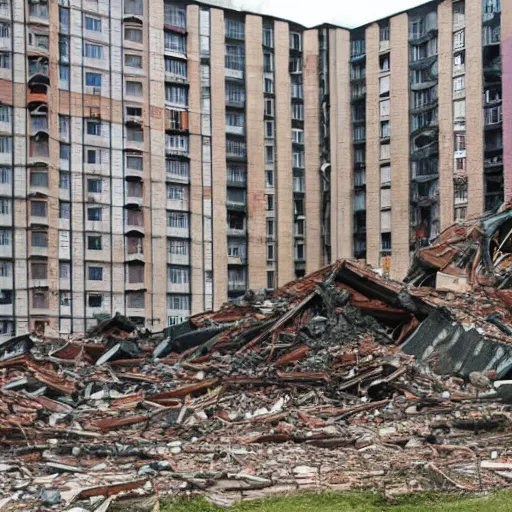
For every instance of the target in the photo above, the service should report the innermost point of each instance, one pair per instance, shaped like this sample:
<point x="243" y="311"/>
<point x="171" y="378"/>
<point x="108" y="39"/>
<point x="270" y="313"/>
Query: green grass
<point x="355" y="502"/>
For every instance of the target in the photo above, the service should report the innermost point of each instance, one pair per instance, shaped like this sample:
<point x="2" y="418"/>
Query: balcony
<point x="236" y="231"/>
<point x="235" y="130"/>
<point x="37" y="96"/>
<point x="182" y="288"/>
<point x="237" y="286"/>
<point x="39" y="124"/>
<point x="178" y="232"/>
<point x="38" y="71"/>
<point x="237" y="260"/>
<point x="178" y="259"/>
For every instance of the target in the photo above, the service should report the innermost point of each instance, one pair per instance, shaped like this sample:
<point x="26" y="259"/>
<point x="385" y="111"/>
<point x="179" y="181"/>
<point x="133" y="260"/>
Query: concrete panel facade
<point x="400" y="169"/>
<point x="312" y="144"/>
<point x="474" y="108"/>
<point x="255" y="152"/>
<point x="284" y="189"/>
<point x="372" y="146"/>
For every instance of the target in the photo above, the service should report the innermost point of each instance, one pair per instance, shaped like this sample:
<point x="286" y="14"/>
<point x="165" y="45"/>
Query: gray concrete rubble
<point x="339" y="380"/>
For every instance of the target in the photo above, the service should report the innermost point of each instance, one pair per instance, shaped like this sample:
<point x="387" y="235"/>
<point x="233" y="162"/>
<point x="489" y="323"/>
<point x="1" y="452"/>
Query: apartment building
<point x="159" y="157"/>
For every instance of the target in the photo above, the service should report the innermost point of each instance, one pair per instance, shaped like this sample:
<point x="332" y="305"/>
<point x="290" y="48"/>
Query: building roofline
<point x="314" y="27"/>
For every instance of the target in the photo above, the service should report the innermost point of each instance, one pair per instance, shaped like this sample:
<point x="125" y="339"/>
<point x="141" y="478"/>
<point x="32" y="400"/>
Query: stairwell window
<point x="174" y="42"/>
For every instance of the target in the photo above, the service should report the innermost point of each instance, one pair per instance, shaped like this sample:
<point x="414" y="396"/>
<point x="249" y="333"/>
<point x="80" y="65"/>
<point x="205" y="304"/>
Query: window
<point x="179" y="275"/>
<point x="175" y="16"/>
<point x="177" y="167"/>
<point x="39" y="178"/>
<point x="135" y="245"/>
<point x="134" y="189"/>
<point x="95" y="301"/>
<point x="458" y="39"/>
<point x="133" y="7"/>
<point x="135" y="218"/>
<point x="4" y="206"/>
<point x="178" y="302"/>
<point x="298" y="112"/>
<point x="460" y="164"/>
<point x="5" y="269"/>
<point x="270" y="202"/>
<point x="269" y="179"/>
<point x="176" y="94"/>
<point x="94" y="185"/>
<point x="296" y="87"/>
<point x="5" y="61"/>
<point x="385" y="129"/>
<point x="39" y="299"/>
<point x="134" y="111"/>
<point x="94" y="243"/>
<point x="64" y="180"/>
<point x="295" y="41"/>
<point x="234" y="93"/>
<point x="269" y="154"/>
<point x="236" y="120"/>
<point x="461" y="193"/>
<point x="459" y="84"/>
<point x="64" y="270"/>
<point x="133" y="61"/>
<point x="93" y="79"/>
<point x="236" y="148"/>
<point x="174" y="42"/>
<point x="93" y="128"/>
<point x="357" y="47"/>
<point x="270" y="228"/>
<point x="234" y="58"/>
<point x="64" y="77"/>
<point x="64" y="126"/>
<point x="64" y="210"/>
<point x="268" y="65"/>
<point x="234" y="29"/>
<point x="134" y="135"/>
<point x="269" y="129"/>
<point x="295" y="65"/>
<point x="93" y="24"/>
<point x="384" y="86"/>
<point x="5" y="238"/>
<point x="268" y="86"/>
<point x="270" y="279"/>
<point x="39" y="239"/>
<point x="64" y="19"/>
<point x="136" y="273"/>
<point x="384" y="108"/>
<point x="64" y="49"/>
<point x="39" y="208"/>
<point x="177" y="143"/>
<point x="236" y="222"/>
<point x="177" y="220"/>
<point x="268" y="37"/>
<point x="135" y="300"/>
<point x="384" y="63"/>
<point x="133" y="34"/>
<point x="95" y="273"/>
<point x="133" y="88"/>
<point x="459" y="109"/>
<point x="460" y="142"/>
<point x="94" y="214"/>
<point x="93" y="51"/>
<point x="269" y="106"/>
<point x="298" y="159"/>
<point x="175" y="192"/>
<point x="384" y="33"/>
<point x="5" y="30"/>
<point x="180" y="247"/>
<point x="5" y="175"/>
<point x="176" y="67"/>
<point x="5" y="144"/>
<point x="134" y="162"/>
<point x="236" y="174"/>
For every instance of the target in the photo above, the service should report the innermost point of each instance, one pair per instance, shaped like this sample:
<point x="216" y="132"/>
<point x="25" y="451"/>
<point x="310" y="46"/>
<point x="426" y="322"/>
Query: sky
<point x="348" y="13"/>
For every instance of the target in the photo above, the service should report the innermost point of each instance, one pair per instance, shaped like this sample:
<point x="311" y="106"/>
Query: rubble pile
<point x="339" y="380"/>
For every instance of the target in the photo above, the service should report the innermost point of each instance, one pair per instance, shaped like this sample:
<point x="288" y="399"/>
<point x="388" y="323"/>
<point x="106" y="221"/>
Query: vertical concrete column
<point x="155" y="189"/>
<point x="218" y="101"/>
<point x="373" y="146"/>
<point x="196" y="185"/>
<point x="53" y="176"/>
<point x="284" y="173"/>
<point x="314" y="241"/>
<point x="400" y="146"/>
<point x="506" y="51"/>
<point x="255" y="154"/>
<point x="445" y="112"/>
<point x="342" y="181"/>
<point x="474" y="108"/>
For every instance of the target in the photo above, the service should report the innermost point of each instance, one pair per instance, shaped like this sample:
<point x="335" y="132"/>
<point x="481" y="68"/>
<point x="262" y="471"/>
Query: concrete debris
<point x="339" y="380"/>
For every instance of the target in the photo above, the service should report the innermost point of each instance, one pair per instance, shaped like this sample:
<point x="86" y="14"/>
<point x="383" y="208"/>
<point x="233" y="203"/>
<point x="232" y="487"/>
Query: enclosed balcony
<point x="38" y="71"/>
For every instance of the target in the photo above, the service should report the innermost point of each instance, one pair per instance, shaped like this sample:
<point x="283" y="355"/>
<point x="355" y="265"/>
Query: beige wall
<point x="445" y="112"/>
<point x="255" y="152"/>
<point x="284" y="174"/>
<point x="218" y="102"/>
<point x="314" y="241"/>
<point x="474" y="107"/>
<point x="400" y="170"/>
<point x="196" y="181"/>
<point x="372" y="146"/>
<point x="341" y="145"/>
